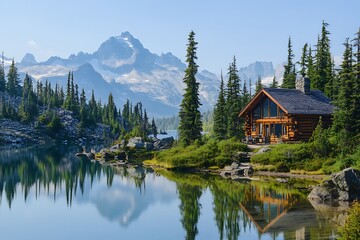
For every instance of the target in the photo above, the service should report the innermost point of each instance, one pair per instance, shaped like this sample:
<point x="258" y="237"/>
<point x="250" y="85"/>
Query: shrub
<point x="351" y="229"/>
<point x="282" y="167"/>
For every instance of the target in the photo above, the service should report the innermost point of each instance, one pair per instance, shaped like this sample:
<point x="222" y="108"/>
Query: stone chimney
<point x="303" y="84"/>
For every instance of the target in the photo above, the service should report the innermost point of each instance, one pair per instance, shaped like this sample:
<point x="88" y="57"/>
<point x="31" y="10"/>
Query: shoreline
<point x="291" y="175"/>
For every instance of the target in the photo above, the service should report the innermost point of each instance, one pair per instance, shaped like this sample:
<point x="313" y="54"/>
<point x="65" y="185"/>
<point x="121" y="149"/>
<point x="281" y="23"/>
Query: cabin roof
<point x="294" y="101"/>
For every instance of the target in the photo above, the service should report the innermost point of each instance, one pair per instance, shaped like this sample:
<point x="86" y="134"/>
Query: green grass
<point x="212" y="153"/>
<point x="304" y="157"/>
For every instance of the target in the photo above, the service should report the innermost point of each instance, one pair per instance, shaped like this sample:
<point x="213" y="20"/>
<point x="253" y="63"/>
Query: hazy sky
<point x="252" y="30"/>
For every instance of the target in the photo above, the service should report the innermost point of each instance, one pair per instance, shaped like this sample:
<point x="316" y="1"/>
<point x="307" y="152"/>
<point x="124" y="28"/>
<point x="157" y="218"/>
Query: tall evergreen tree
<point x="289" y="73"/>
<point x="343" y="119"/>
<point x="2" y="78"/>
<point x="220" y="121"/>
<point x="13" y="87"/>
<point x="356" y="90"/>
<point x="28" y="108"/>
<point x="304" y="61"/>
<point x="190" y="125"/>
<point x="323" y="62"/>
<point x="68" y="98"/>
<point x="246" y="96"/>
<point x="233" y="102"/>
<point x="310" y="69"/>
<point x="258" y="85"/>
<point x="274" y="83"/>
<point x="153" y="128"/>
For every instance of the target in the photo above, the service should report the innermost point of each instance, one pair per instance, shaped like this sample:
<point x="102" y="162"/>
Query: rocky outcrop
<point x="237" y="170"/>
<point x="71" y="129"/>
<point x="122" y="151"/>
<point x="343" y="186"/>
<point x="18" y="133"/>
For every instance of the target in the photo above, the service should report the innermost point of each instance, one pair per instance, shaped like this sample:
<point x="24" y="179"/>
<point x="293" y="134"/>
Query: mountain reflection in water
<point x="163" y="206"/>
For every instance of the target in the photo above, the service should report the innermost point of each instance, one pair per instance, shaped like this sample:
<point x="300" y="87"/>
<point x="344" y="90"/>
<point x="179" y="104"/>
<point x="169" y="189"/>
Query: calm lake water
<point x="47" y="193"/>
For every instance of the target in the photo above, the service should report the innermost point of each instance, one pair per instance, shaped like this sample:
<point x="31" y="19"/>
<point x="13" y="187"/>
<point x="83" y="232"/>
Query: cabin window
<point x="278" y="128"/>
<point x="257" y="112"/>
<point x="281" y="113"/>
<point x="260" y="129"/>
<point x="273" y="109"/>
<point x="266" y="108"/>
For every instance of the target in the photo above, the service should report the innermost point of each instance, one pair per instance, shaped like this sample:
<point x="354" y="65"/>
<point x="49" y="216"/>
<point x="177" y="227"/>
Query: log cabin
<point x="276" y="114"/>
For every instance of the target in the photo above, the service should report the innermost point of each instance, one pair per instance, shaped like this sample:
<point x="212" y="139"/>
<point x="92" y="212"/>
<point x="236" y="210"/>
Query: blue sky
<point x="250" y="30"/>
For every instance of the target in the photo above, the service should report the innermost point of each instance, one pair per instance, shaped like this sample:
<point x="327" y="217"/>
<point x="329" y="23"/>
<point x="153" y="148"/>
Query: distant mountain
<point x="123" y="66"/>
<point x="28" y="59"/>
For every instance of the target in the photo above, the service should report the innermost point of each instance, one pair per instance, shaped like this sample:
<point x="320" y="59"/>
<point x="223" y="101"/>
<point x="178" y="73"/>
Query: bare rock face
<point x="343" y="186"/>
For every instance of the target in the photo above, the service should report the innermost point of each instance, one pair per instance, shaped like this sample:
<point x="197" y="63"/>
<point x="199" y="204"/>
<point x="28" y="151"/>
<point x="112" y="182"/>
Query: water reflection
<point x="238" y="210"/>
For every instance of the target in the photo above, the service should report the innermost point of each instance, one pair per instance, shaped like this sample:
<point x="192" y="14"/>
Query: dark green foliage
<point x="13" y="87"/>
<point x="351" y="229"/>
<point x="304" y="61"/>
<point x="153" y="128"/>
<point x="289" y="74"/>
<point x="2" y="78"/>
<point x="258" y="85"/>
<point x="28" y="108"/>
<point x="189" y="208"/>
<point x="321" y="146"/>
<point x="344" y="116"/>
<point x="190" y="125"/>
<point x="7" y="110"/>
<point x="220" y="116"/>
<point x="310" y="68"/>
<point x="356" y="89"/>
<point x="212" y="153"/>
<point x="233" y="103"/>
<point x="323" y="78"/>
<point x="246" y="96"/>
<point x="274" y="83"/>
<point x="55" y="124"/>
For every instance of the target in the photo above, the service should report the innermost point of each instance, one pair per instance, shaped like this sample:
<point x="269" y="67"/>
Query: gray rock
<point x="167" y="141"/>
<point x="343" y="186"/>
<point x="262" y="150"/>
<point x="135" y="142"/>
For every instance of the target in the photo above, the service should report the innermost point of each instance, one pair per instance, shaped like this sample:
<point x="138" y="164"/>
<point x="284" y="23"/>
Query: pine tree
<point x="220" y="121"/>
<point x="2" y="78"/>
<point x="356" y="89"/>
<point x="304" y="61"/>
<point x="274" y="83"/>
<point x="289" y="73"/>
<point x="28" y="108"/>
<point x="233" y="102"/>
<point x="343" y="119"/>
<point x="258" y="85"/>
<point x="323" y="62"/>
<point x="246" y="97"/>
<point x="190" y="125"/>
<point x="13" y="87"/>
<point x="310" y="65"/>
<point x="153" y="128"/>
<point x="68" y="99"/>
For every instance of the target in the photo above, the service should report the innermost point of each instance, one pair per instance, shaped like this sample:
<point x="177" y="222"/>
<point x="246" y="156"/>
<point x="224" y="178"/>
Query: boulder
<point x="237" y="170"/>
<point x="343" y="186"/>
<point x="167" y="141"/>
<point x="135" y="142"/>
<point x="262" y="150"/>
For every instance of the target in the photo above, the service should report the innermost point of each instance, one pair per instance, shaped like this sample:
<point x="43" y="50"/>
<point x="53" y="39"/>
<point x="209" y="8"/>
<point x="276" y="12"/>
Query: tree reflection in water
<point x="279" y="211"/>
<point x="50" y="169"/>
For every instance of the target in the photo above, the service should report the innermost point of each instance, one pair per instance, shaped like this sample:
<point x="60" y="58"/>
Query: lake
<point x="48" y="193"/>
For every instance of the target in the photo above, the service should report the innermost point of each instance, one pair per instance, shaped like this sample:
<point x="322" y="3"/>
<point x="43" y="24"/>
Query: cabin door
<point x="267" y="129"/>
